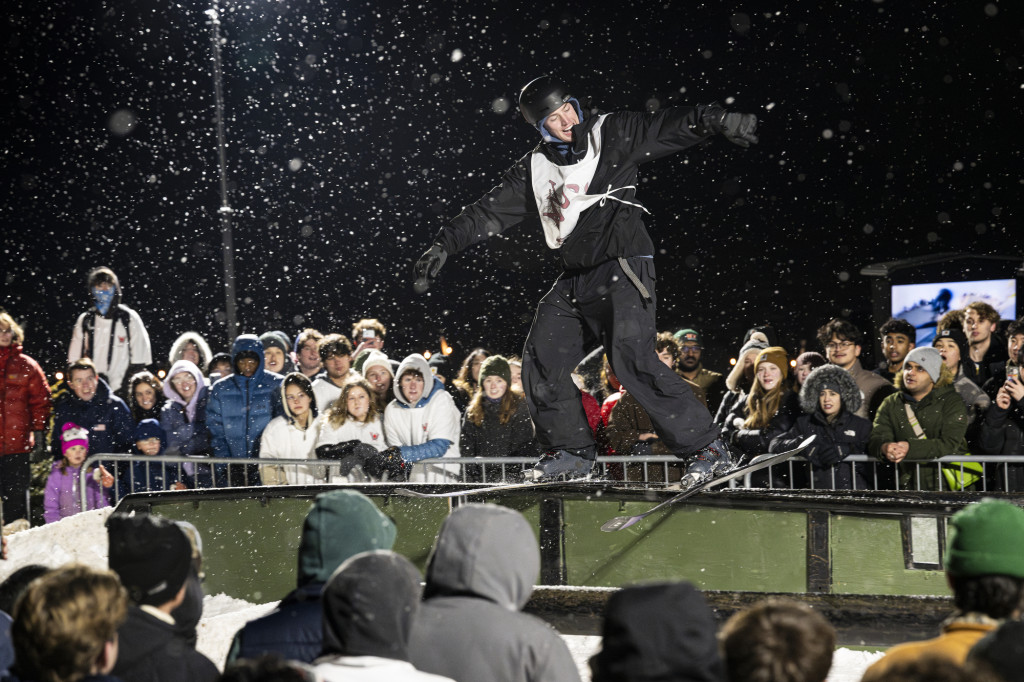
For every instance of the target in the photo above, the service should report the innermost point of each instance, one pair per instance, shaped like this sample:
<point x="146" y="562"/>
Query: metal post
<point x="225" y="211"/>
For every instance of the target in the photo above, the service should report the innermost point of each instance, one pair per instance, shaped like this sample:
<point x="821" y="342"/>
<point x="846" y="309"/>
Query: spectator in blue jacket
<point x="92" y="405"/>
<point x="341" y="524"/>
<point x="240" y="407"/>
<point x="183" y="419"/>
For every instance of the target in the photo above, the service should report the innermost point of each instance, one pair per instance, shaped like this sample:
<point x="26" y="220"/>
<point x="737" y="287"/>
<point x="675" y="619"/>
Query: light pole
<point x="225" y="211"/>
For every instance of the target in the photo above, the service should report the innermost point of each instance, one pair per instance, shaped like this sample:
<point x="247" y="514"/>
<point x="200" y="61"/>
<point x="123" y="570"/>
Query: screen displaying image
<point x="923" y="305"/>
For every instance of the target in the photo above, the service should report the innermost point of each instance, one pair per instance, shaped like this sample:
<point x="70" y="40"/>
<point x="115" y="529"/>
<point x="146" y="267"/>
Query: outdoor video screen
<point x="922" y="305"/>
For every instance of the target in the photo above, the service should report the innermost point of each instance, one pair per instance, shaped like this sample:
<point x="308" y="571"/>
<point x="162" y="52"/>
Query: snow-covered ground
<point x="83" y="538"/>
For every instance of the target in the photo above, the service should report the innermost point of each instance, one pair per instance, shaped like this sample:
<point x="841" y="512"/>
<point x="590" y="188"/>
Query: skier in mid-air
<point x="581" y="182"/>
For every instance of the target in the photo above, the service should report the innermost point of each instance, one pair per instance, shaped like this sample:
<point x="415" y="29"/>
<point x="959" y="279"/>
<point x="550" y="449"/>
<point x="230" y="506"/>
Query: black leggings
<point x="15" y="476"/>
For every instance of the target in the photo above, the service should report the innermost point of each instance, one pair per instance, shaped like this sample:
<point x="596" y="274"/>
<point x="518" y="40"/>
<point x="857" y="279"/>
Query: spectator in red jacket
<point x="24" y="409"/>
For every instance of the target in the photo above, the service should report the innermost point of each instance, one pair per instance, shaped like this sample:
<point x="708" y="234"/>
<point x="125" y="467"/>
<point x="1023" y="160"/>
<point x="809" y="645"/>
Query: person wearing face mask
<point x="110" y="333"/>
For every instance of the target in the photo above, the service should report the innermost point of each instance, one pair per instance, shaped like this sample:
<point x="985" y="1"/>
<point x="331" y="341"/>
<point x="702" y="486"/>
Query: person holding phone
<point x="1002" y="431"/>
<point x="368" y="333"/>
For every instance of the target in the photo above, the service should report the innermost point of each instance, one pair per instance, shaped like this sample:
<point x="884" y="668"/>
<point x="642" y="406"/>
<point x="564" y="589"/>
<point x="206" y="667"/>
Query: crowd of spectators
<point x="361" y="611"/>
<point x="342" y="398"/>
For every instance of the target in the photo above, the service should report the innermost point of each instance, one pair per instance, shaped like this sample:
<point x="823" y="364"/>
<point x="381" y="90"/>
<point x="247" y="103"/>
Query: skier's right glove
<point x="426" y="268"/>
<point x="737" y="128"/>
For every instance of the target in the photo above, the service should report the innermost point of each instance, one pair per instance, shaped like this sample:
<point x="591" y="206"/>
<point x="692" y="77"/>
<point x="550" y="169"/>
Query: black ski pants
<point x="602" y="306"/>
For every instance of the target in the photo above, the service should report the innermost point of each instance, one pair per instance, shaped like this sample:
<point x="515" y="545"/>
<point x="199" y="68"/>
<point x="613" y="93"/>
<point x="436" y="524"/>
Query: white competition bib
<point x="563" y="192"/>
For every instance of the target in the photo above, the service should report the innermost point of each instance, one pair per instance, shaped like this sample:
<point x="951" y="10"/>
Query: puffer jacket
<point x="480" y="575"/>
<point x="186" y="436"/>
<point x="241" y="407"/>
<point x="24" y="400"/>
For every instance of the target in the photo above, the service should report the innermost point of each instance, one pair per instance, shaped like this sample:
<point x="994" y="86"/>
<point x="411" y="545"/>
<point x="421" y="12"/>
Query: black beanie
<point x="151" y="554"/>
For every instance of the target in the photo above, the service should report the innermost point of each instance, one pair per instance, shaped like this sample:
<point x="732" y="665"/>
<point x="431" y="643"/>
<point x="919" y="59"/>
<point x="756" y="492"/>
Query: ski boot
<point x="714" y="459"/>
<point x="571" y="464"/>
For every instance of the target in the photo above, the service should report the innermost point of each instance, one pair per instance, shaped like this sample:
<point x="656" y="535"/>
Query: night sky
<point x="888" y="130"/>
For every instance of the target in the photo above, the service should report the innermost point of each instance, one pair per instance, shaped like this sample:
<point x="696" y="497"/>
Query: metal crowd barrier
<point x="658" y="470"/>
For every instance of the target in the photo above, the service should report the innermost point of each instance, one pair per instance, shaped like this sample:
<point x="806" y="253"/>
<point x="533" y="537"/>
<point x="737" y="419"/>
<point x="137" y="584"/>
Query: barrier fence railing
<point x="134" y="473"/>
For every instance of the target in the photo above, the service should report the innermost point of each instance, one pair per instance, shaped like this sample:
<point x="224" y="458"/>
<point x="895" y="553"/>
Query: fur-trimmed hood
<point x="834" y="378"/>
<point x="178" y="347"/>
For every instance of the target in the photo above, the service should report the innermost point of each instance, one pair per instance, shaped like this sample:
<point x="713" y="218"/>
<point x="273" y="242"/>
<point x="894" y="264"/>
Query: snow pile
<point x="83" y="538"/>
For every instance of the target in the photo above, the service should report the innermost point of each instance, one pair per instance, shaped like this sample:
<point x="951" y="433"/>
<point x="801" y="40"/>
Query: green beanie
<point x="496" y="366"/>
<point x="363" y="356"/>
<point x="987" y="538"/>
<point x="342" y="523"/>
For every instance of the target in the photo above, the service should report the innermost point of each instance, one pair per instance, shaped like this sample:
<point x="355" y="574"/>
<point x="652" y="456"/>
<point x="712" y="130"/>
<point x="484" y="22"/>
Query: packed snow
<point x="82" y="538"/>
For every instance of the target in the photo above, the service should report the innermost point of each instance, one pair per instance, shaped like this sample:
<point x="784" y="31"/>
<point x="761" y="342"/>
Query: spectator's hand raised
<point x="1015" y="388"/>
<point x="1003" y="398"/>
<point x="106" y="478"/>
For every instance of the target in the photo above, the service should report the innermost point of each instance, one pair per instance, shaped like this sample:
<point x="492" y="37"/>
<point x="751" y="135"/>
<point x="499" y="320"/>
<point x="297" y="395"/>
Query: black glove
<point x="336" y="451"/>
<point x="826" y="457"/>
<point x="737" y="128"/>
<point x="642" y="448"/>
<point x="388" y="462"/>
<point x="427" y="267"/>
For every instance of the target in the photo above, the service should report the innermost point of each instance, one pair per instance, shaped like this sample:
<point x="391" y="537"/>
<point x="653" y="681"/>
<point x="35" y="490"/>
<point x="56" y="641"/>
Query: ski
<point x="409" y="492"/>
<point x="756" y="464"/>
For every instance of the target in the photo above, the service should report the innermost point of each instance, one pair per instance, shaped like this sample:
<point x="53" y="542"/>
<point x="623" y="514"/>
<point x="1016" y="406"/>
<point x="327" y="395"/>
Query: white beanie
<point x="377" y="359"/>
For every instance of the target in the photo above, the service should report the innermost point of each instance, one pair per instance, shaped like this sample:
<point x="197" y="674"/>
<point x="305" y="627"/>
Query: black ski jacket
<point x="603" y="232"/>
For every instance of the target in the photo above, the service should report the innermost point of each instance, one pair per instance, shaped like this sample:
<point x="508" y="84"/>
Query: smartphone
<point x="1013" y="373"/>
<point x="369" y="333"/>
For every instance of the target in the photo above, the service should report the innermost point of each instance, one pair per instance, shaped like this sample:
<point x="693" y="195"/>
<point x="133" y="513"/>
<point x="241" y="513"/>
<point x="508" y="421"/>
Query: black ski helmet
<point x="540" y="97"/>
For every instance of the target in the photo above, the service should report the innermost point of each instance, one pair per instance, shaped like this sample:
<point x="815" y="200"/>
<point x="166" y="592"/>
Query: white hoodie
<point x="433" y="417"/>
<point x="283" y="439"/>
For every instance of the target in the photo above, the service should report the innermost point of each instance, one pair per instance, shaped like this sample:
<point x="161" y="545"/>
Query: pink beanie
<point x="72" y="435"/>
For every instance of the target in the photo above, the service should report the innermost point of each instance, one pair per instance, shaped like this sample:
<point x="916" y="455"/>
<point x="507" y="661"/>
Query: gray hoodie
<point x="470" y="628"/>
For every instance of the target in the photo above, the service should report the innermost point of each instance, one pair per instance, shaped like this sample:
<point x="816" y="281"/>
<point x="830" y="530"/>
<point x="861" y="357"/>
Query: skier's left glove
<point x="427" y="267"/>
<point x="737" y="128"/>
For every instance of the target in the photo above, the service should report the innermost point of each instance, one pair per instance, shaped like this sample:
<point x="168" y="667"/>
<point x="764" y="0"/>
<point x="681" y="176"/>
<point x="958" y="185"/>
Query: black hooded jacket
<point x="658" y="633"/>
<point x="607" y="230"/>
<point x="151" y="651"/>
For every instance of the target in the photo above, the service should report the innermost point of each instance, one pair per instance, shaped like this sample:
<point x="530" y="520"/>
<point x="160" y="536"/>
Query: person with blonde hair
<point x="65" y="625"/>
<point x="770" y="407"/>
<point x="769" y="411"/>
<point x="351" y="431"/>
